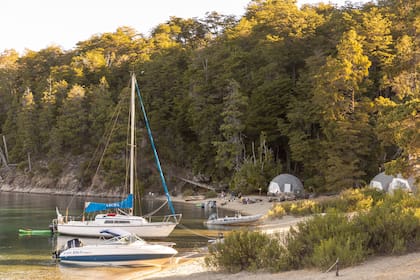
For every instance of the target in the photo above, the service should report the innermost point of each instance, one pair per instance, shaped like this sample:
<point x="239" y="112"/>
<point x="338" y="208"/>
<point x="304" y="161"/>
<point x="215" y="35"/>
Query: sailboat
<point x="122" y="212"/>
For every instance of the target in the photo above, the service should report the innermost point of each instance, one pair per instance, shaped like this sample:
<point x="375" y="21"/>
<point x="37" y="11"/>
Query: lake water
<point x="29" y="257"/>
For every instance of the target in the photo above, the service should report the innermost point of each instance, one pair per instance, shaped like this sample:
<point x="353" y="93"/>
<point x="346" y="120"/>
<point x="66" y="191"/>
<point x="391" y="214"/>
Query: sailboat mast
<point x="152" y="142"/>
<point x="132" y="120"/>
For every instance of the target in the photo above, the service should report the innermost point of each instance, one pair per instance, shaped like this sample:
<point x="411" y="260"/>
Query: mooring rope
<point x="195" y="233"/>
<point x="156" y="210"/>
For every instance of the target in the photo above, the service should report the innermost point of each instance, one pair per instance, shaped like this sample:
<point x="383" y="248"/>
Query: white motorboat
<point x="123" y="249"/>
<point x="142" y="226"/>
<point x="237" y="220"/>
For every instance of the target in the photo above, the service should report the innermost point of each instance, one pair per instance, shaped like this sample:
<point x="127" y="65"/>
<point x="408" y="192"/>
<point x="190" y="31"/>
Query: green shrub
<point x="403" y="199"/>
<point x="331" y="234"/>
<point x="332" y="203"/>
<point x="355" y="200"/>
<point x="210" y="194"/>
<point x="247" y="250"/>
<point x="375" y="194"/>
<point x="392" y="229"/>
<point x="187" y="192"/>
<point x="304" y="207"/>
<point x="273" y="256"/>
<point x="247" y="179"/>
<point x="55" y="167"/>
<point x="348" y="248"/>
<point x="276" y="211"/>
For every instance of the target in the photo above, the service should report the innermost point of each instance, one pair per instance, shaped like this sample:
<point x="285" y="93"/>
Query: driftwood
<point x="201" y="185"/>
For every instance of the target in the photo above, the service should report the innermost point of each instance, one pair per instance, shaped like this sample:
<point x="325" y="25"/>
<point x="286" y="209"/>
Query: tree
<point x="8" y="70"/>
<point x="70" y="132"/>
<point x="229" y="151"/>
<point x="338" y="97"/>
<point x="256" y="170"/>
<point x="399" y="125"/>
<point x="377" y="43"/>
<point x="100" y="110"/>
<point x="27" y="133"/>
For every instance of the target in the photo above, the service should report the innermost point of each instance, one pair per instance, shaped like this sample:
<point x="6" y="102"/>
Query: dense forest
<point x="330" y="94"/>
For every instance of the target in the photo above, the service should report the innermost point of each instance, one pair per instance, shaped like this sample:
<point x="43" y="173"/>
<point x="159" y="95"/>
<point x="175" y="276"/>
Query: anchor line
<point x="194" y="232"/>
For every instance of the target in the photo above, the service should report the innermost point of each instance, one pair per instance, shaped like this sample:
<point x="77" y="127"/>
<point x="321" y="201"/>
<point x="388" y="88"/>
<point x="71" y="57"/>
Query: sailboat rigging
<point x="128" y="221"/>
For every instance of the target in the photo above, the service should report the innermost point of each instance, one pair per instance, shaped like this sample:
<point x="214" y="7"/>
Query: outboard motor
<point x="74" y="243"/>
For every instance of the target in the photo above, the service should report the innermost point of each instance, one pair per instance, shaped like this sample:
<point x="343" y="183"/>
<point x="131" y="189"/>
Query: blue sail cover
<point x="95" y="206"/>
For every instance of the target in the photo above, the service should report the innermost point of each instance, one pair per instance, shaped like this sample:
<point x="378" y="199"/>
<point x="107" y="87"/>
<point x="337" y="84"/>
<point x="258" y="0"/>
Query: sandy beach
<point x="406" y="267"/>
<point x="383" y="268"/>
<point x="261" y="206"/>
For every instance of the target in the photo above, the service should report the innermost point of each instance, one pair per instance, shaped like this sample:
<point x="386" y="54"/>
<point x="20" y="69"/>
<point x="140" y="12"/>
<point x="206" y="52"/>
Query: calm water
<point x="29" y="257"/>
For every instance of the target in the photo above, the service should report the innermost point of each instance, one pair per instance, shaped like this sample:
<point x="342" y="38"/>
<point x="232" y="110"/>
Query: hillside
<point x="329" y="94"/>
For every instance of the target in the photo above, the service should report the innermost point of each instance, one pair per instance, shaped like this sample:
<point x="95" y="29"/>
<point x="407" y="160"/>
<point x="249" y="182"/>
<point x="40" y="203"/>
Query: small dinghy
<point x="123" y="249"/>
<point x="237" y="220"/>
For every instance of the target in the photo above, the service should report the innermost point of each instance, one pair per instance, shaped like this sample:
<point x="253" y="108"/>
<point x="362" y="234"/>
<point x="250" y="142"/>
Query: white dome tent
<point x="381" y="181"/>
<point x="285" y="183"/>
<point x="389" y="183"/>
<point x="401" y="183"/>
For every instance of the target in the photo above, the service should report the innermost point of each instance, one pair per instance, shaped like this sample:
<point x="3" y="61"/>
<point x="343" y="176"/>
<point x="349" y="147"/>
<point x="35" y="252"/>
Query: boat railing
<point x="53" y="225"/>
<point x="176" y="218"/>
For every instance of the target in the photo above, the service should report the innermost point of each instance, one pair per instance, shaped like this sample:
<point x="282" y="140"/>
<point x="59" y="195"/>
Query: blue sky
<point x="30" y="24"/>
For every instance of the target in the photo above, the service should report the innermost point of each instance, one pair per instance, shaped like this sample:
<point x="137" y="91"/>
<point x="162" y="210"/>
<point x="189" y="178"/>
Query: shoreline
<point x="47" y="191"/>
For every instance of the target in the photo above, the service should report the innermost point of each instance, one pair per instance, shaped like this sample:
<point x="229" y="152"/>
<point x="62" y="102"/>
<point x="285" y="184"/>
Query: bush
<point x="320" y="241"/>
<point x="55" y="167"/>
<point x="304" y="207"/>
<point x="187" y="192"/>
<point x="375" y="194"/>
<point x="355" y="200"/>
<point x="392" y="229"/>
<point x="277" y="211"/>
<point x="348" y="248"/>
<point x="332" y="203"/>
<point x="210" y="194"/>
<point x="248" y="178"/>
<point x="246" y="250"/>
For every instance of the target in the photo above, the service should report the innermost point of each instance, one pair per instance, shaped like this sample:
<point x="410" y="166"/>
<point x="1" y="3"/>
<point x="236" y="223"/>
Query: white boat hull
<point x="136" y="225"/>
<point x="118" y="255"/>
<point x="89" y="229"/>
<point x="118" y="263"/>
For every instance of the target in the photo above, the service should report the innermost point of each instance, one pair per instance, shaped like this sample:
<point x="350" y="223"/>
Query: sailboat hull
<point x="132" y="224"/>
<point x="91" y="229"/>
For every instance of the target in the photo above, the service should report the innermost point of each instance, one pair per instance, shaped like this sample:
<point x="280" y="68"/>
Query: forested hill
<point x="329" y="94"/>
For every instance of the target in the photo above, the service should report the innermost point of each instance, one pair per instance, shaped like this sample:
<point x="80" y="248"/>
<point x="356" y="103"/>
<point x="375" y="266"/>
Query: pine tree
<point x="230" y="149"/>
